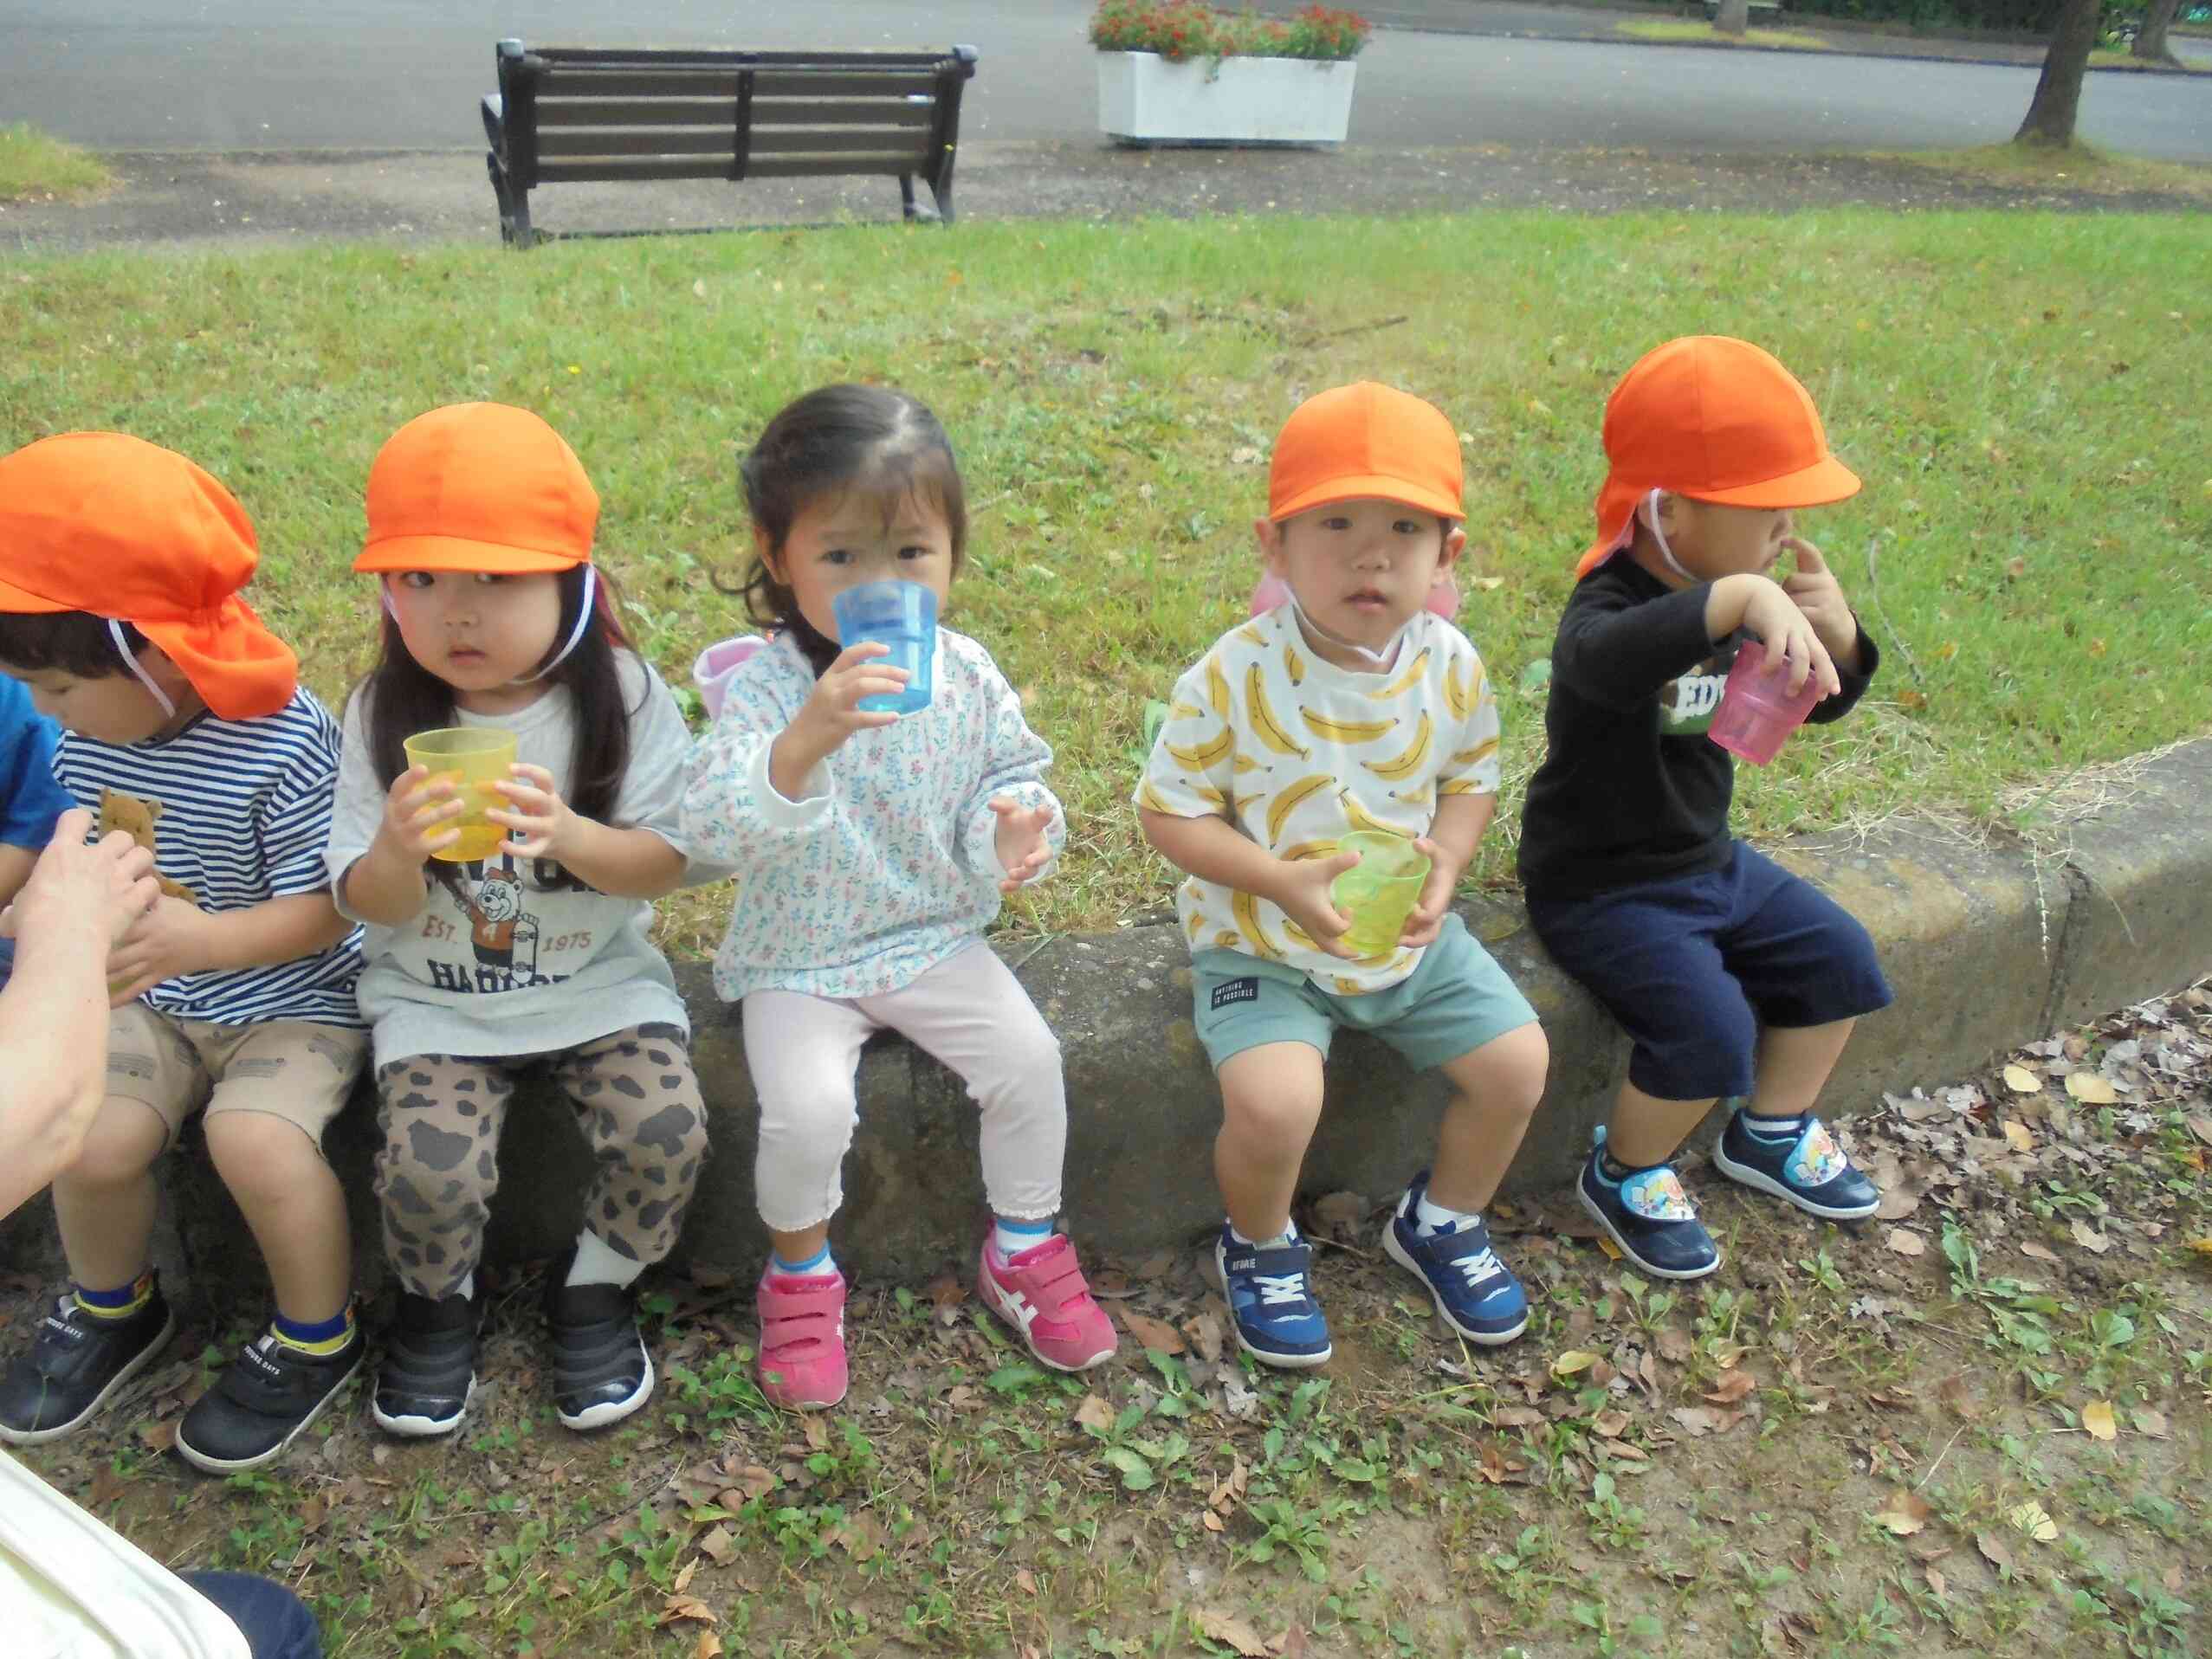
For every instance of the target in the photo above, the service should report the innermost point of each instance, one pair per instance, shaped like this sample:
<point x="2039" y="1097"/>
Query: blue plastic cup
<point x="903" y="616"/>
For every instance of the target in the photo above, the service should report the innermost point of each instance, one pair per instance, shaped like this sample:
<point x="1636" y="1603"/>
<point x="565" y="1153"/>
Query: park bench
<point x="570" y="114"/>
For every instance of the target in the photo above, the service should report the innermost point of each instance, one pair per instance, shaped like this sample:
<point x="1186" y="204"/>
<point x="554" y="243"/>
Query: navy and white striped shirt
<point x="237" y="812"/>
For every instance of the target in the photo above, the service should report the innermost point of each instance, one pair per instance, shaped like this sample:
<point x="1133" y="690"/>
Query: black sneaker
<point x="429" y="1373"/>
<point x="1809" y="1169"/>
<point x="75" y="1367"/>
<point x="601" y="1372"/>
<point x="258" y="1407"/>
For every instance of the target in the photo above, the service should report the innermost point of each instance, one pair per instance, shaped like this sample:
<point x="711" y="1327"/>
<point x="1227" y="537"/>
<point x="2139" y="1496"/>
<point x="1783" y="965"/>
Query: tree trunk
<point x="1735" y="17"/>
<point x="2058" y="91"/>
<point x="2150" y="40"/>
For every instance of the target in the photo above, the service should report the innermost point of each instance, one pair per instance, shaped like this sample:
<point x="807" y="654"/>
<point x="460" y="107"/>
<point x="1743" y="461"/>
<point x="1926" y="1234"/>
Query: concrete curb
<point x="1987" y="948"/>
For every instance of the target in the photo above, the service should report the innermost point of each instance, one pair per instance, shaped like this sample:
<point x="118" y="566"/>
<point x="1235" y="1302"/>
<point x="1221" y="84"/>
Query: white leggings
<point x="970" y="1013"/>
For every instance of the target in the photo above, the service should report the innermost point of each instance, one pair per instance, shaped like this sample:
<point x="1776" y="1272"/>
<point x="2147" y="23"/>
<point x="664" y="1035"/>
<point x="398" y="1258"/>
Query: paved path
<point x="235" y="75"/>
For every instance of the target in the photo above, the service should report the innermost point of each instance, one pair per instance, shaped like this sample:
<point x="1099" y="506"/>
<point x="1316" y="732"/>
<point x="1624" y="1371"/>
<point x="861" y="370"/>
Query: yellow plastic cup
<point x="1380" y="891"/>
<point x="472" y="758"/>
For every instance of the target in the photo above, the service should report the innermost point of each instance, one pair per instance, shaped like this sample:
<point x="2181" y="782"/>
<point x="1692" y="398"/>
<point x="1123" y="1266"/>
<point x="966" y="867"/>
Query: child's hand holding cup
<point x="462" y="764"/>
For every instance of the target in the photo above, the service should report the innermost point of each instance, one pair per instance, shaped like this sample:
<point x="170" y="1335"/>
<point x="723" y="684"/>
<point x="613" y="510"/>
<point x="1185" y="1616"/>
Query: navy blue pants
<point x="275" y="1622"/>
<point x="1693" y="967"/>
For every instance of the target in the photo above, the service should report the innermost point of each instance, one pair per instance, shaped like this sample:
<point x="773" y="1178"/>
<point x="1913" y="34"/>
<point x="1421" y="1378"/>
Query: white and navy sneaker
<point x="1802" y="1164"/>
<point x="1475" y="1292"/>
<point x="1649" y="1215"/>
<point x="1278" y="1320"/>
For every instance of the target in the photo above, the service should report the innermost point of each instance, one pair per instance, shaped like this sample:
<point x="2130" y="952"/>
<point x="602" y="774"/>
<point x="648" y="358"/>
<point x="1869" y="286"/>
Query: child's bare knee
<point x="258" y="1156"/>
<point x="121" y="1146"/>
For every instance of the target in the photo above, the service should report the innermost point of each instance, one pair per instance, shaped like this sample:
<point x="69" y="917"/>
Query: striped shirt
<point x="237" y="812"/>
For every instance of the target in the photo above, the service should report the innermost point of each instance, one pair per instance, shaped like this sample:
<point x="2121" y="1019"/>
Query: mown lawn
<point x="2025" y="394"/>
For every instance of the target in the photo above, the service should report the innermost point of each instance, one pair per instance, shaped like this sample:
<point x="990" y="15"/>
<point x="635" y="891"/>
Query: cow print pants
<point x="636" y="1101"/>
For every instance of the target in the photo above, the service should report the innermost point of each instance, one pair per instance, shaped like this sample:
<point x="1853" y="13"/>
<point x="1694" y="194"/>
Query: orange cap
<point x="1365" y="439"/>
<point x="478" y="486"/>
<point x="1718" y="420"/>
<point x="117" y="527"/>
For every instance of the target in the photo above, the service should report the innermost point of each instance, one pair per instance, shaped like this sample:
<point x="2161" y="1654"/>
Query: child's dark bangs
<point x="924" y="480"/>
<point x="73" y="642"/>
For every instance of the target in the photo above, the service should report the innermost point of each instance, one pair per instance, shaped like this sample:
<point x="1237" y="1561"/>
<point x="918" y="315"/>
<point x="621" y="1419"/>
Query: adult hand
<point x="110" y="882"/>
<point x="167" y="941"/>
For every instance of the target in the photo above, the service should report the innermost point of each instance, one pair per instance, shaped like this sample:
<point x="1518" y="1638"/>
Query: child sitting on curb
<point x="1348" y="707"/>
<point x="1711" y="956"/>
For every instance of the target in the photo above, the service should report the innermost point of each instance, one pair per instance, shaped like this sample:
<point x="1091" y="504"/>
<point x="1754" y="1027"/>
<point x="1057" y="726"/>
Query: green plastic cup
<point x="472" y="758"/>
<point x="1380" y="891"/>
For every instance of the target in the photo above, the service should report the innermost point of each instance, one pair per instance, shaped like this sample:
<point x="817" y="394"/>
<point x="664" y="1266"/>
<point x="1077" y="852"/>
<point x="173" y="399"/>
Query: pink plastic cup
<point x="1757" y="712"/>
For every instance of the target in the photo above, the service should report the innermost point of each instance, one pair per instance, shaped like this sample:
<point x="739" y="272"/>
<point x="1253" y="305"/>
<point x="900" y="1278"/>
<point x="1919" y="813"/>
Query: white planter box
<point x="1142" y="98"/>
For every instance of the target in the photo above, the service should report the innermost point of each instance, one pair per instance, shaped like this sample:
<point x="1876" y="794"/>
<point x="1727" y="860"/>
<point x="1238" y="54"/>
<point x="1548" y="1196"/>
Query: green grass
<point x="2078" y="169"/>
<point x="2119" y="57"/>
<point x="36" y="168"/>
<point x="1682" y="29"/>
<point x="2023" y="393"/>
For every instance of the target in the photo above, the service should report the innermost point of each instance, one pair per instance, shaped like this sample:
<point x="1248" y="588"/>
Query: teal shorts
<point x="1456" y="999"/>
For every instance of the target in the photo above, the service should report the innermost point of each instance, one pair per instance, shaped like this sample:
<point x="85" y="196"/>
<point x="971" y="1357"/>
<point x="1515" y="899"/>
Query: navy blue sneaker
<point x="1475" y="1292"/>
<point x="1649" y="1216"/>
<point x="1278" y="1320"/>
<point x="1809" y="1169"/>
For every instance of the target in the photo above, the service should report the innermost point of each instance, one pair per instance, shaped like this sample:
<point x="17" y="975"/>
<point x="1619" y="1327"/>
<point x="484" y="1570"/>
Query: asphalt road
<point x="233" y="74"/>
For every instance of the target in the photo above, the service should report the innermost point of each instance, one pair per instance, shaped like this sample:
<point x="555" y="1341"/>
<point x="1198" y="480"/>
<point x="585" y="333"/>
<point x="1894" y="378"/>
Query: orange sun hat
<point x="1365" y="439"/>
<point x="478" y="487"/>
<point x="1718" y="420"/>
<point x="116" y="527"/>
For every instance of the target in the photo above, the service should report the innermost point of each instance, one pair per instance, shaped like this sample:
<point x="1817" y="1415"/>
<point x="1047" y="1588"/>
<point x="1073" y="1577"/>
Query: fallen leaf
<point x="684" y="1575"/>
<point x="710" y="1646"/>
<point x="1341" y="1212"/>
<point x="1227" y="1627"/>
<point x="716" y="1544"/>
<point x="1517" y="1416"/>
<point x="1025" y="1581"/>
<point x="2018" y="1137"/>
<point x="2151" y="1422"/>
<point x="1211" y="1521"/>
<point x="679" y="1608"/>
<point x="2041" y="1252"/>
<point x="1732" y="1387"/>
<point x="1609" y="1424"/>
<point x="1154" y="1335"/>
<point x="1696" y="1421"/>
<point x="2033" y="1519"/>
<point x="1205" y="1332"/>
<point x="313" y="1512"/>
<point x="961" y="1398"/>
<point x="2021" y="1081"/>
<point x="1899" y="1201"/>
<point x="1095" y="1413"/>
<point x="1996" y="1552"/>
<point x="2090" y="1239"/>
<point x="2091" y="1089"/>
<point x="157" y="1436"/>
<point x="2097" y="1417"/>
<point x="1905" y="1513"/>
<point x="1231" y="1492"/>
<point x="817" y="1434"/>
<point x="1627" y="1451"/>
<point x="2202" y="1128"/>
<point x="1937" y="1583"/>
<point x="1906" y="1243"/>
<point x="1500" y="1470"/>
<point x="1954" y="1393"/>
<point x="1675" y="1347"/>
<point x="946" y="1294"/>
<point x="2201" y="1246"/>
<point x="1573" y="1360"/>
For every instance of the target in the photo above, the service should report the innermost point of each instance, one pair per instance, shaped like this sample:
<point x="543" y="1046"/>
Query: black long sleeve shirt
<point x="1633" y="790"/>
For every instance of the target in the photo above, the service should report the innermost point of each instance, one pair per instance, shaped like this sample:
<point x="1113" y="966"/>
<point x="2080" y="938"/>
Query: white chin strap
<point x="123" y="649"/>
<point x="576" y="634"/>
<point x="1382" y="659"/>
<point x="1648" y="510"/>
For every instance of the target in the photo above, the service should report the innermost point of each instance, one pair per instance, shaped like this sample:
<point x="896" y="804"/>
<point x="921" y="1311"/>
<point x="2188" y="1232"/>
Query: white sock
<point x="468" y="1285"/>
<point x="1429" y="1218"/>
<point x="1288" y="1236"/>
<point x="1011" y="1238"/>
<point x="820" y="1265"/>
<point x="595" y="1263"/>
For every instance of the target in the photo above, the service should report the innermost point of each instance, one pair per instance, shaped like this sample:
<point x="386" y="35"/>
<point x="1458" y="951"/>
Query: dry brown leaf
<point x="684" y="1575"/>
<point x="1227" y="1627"/>
<point x="1675" y="1347"/>
<point x="2091" y="1089"/>
<point x="679" y="1608"/>
<point x="2202" y="1128"/>
<point x="1025" y="1581"/>
<point x="312" y="1512"/>
<point x="1154" y="1335"/>
<point x="2201" y="1246"/>
<point x="1937" y="1583"/>
<point x="1696" y="1421"/>
<point x="1205" y="1332"/>
<point x="817" y="1434"/>
<point x="2097" y="1417"/>
<point x="1906" y="1243"/>
<point x="1573" y="1361"/>
<point x="1628" y="1451"/>
<point x="1231" y="1492"/>
<point x="2018" y="1137"/>
<point x="157" y="1436"/>
<point x="2090" y="1239"/>
<point x="1501" y="1470"/>
<point x="1211" y="1521"/>
<point x="716" y="1544"/>
<point x="946" y="1293"/>
<point x="1954" y="1393"/>
<point x="1095" y="1413"/>
<point x="2021" y="1081"/>
<point x="1899" y="1201"/>
<point x="1996" y="1552"/>
<point x="1341" y="1212"/>
<point x="2153" y="1424"/>
<point x="710" y="1646"/>
<point x="1609" y="1424"/>
<point x="1905" y="1513"/>
<point x="2041" y="1252"/>
<point x="1732" y="1387"/>
<point x="1517" y="1416"/>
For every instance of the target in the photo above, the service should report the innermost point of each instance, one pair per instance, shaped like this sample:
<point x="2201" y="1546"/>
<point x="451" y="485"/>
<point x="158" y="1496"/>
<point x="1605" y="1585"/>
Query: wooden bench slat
<point x="554" y="112"/>
<point x="607" y="169"/>
<point x="740" y="57"/>
<point x="568" y="143"/>
<point x="722" y="83"/>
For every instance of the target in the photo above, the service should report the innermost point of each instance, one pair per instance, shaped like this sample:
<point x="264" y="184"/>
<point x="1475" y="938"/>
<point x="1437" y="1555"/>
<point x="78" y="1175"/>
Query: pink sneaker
<point x="1043" y="1295"/>
<point x="802" y="1363"/>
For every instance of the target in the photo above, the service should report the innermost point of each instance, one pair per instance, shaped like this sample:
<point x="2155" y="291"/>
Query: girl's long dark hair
<point x="833" y="439"/>
<point x="405" y="698"/>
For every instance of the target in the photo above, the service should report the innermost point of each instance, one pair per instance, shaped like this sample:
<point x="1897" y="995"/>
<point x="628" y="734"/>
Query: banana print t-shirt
<point x="1296" y="752"/>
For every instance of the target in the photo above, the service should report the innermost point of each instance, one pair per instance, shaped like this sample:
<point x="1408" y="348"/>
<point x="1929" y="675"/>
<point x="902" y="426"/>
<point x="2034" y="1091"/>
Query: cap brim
<point x="1826" y="479"/>
<point x="458" y="554"/>
<point x="22" y="601"/>
<point x="1367" y="487"/>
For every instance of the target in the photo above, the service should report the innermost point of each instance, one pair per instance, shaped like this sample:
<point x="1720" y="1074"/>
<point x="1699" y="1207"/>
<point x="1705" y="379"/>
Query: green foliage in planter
<point x="1188" y="29"/>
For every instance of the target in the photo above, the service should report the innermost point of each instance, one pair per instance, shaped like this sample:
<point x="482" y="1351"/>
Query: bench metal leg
<point x="941" y="187"/>
<point x="514" y="205"/>
<point x="914" y="210"/>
